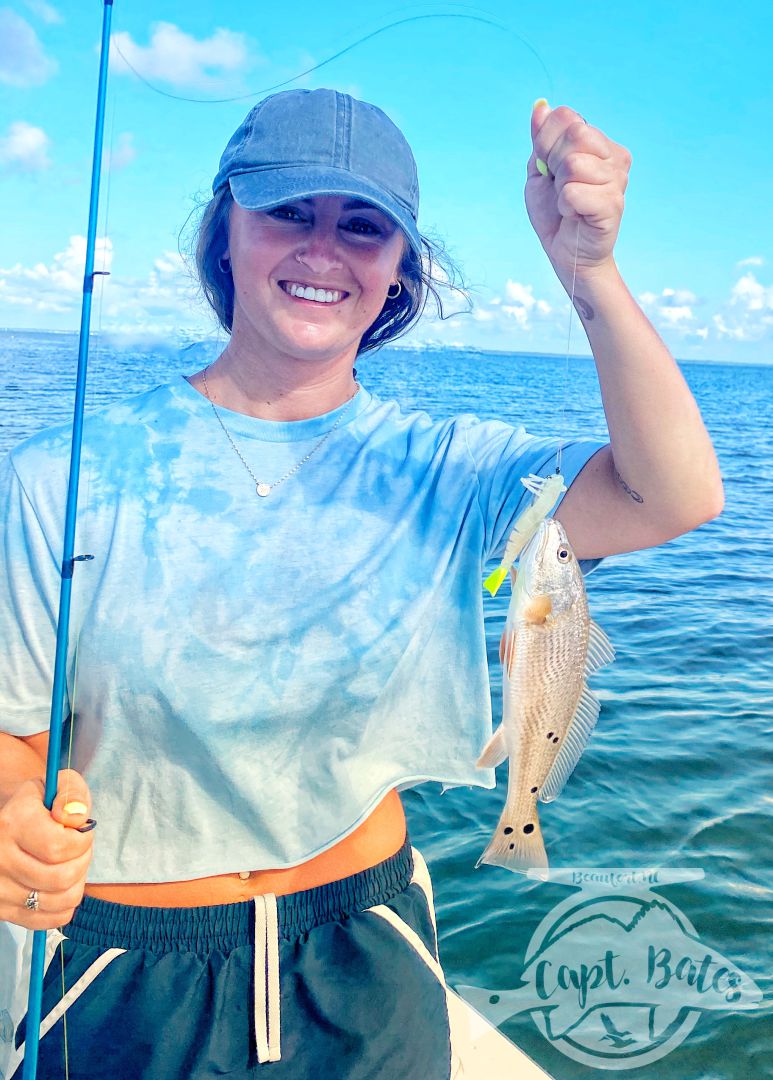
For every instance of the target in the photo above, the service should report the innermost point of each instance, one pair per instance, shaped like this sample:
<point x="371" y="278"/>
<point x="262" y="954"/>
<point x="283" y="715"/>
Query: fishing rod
<point x="37" y="968"/>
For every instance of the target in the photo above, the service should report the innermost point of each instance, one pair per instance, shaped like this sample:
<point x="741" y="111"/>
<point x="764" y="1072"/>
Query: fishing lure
<point x="546" y="492"/>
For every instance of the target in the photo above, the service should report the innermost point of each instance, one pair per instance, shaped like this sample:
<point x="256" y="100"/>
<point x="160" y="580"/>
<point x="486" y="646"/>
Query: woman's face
<point x="345" y="250"/>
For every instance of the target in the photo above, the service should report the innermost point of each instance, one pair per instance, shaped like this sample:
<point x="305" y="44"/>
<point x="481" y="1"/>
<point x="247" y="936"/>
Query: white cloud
<point x="520" y="314"/>
<point x="520" y="294"/>
<point x="750" y="294"/>
<point x="675" y="315"/>
<point x="23" y="61"/>
<point x="677" y="297"/>
<point x="737" y="333"/>
<point x="24" y="147"/>
<point x="753" y="260"/>
<point x="181" y="60"/>
<point x="157" y="304"/>
<point x="123" y="153"/>
<point x="44" y="11"/>
<point x="58" y="286"/>
<point x="748" y="315"/>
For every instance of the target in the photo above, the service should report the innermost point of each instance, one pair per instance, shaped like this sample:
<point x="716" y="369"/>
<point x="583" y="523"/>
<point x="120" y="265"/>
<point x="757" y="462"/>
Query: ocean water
<point x="679" y="772"/>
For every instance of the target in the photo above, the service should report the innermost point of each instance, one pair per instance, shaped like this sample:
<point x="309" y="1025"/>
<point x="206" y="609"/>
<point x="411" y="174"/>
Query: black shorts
<point x="340" y="982"/>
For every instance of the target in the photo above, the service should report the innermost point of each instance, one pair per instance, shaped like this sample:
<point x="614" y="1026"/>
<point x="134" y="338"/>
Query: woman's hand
<point x="586" y="181"/>
<point x="43" y="852"/>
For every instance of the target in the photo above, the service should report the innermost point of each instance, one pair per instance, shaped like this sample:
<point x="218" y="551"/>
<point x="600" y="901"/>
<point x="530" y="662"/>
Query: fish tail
<point x="513" y="848"/>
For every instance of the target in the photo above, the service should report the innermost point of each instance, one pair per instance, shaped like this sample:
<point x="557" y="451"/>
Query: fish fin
<point x="494" y="752"/>
<point x="507" y="648"/>
<point x="574" y="742"/>
<point x="601" y="651"/>
<point x="495" y="579"/>
<point x="538" y="609"/>
<point x="516" y="850"/>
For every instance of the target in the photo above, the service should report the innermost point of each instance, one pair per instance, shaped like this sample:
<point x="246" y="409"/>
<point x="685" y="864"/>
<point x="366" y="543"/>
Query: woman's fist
<point x="580" y="181"/>
<point x="45" y="855"/>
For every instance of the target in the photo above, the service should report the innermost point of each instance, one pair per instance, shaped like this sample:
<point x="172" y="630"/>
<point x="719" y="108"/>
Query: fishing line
<point x="479" y="18"/>
<point x="562" y="434"/>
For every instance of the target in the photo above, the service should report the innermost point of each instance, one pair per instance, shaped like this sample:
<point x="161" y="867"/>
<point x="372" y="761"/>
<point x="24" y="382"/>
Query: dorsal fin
<point x="600" y="649"/>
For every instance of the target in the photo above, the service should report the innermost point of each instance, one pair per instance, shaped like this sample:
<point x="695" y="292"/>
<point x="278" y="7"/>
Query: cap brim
<point x="259" y="190"/>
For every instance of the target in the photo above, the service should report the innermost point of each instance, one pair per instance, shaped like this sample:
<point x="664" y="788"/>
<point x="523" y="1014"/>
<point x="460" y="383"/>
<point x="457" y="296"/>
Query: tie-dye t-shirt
<point x="254" y="674"/>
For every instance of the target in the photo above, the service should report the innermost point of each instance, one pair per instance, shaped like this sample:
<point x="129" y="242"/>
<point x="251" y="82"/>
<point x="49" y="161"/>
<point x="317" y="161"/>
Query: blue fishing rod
<point x="37" y="969"/>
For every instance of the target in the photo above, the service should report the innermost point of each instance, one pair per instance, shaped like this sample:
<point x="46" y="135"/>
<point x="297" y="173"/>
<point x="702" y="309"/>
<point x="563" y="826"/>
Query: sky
<point x="685" y="87"/>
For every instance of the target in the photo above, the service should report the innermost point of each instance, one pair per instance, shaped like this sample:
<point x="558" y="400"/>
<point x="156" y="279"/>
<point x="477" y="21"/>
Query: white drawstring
<point x="266" y="978"/>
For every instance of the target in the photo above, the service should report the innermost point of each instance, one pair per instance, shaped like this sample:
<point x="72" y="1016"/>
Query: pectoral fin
<point x="538" y="609"/>
<point x="507" y="649"/>
<point x="574" y="742"/>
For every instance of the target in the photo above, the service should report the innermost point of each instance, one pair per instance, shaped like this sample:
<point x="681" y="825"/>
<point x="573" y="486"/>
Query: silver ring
<point x="32" y="903"/>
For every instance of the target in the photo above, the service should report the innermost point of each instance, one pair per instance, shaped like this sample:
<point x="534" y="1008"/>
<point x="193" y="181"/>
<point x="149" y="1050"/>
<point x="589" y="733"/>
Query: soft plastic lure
<point x="546" y="491"/>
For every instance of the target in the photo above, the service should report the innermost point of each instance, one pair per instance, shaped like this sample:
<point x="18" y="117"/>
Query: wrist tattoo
<point x="634" y="494"/>
<point x="584" y="308"/>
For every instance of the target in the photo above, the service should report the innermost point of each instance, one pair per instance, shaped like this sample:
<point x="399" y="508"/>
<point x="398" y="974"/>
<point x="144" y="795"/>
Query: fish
<point x="549" y="648"/>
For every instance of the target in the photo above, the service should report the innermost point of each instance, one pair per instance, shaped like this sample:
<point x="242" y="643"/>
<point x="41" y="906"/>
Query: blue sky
<point x="685" y="87"/>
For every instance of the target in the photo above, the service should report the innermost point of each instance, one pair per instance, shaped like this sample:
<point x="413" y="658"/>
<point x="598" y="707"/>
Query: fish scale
<point x="550" y="645"/>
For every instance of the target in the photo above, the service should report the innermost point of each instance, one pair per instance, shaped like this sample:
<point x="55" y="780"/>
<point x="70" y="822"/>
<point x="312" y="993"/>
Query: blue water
<point x="679" y="770"/>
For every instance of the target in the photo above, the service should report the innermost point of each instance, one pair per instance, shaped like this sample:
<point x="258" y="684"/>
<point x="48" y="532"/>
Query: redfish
<point x="549" y="648"/>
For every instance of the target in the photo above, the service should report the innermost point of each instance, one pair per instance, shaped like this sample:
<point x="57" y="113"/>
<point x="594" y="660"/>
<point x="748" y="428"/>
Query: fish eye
<point x="564" y="554"/>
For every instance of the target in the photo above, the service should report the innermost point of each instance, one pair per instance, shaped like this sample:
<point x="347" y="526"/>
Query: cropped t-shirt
<point x="254" y="674"/>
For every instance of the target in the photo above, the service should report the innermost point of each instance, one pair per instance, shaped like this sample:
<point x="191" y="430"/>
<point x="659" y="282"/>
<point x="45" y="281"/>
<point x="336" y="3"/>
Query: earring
<point x="224" y="265"/>
<point x="394" y="296"/>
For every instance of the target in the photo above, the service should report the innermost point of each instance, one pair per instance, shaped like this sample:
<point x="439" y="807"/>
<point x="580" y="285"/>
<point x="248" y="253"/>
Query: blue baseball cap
<point x="302" y="143"/>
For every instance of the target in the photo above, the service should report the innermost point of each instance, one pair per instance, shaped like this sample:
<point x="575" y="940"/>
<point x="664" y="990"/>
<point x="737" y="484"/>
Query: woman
<point x="282" y="623"/>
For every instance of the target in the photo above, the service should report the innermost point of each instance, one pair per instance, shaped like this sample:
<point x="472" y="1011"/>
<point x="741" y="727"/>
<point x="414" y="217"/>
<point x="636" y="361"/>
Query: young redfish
<point x="549" y="647"/>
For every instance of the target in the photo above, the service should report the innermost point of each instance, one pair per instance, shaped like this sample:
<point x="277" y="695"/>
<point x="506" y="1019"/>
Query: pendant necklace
<point x="262" y="487"/>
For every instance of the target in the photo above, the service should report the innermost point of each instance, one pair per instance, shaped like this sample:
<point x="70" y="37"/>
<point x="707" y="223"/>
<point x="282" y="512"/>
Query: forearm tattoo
<point x="584" y="308"/>
<point x="634" y="494"/>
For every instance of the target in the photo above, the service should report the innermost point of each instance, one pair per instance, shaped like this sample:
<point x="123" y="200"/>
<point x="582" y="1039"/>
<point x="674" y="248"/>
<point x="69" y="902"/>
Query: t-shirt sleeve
<point x="29" y="602"/>
<point x="501" y="455"/>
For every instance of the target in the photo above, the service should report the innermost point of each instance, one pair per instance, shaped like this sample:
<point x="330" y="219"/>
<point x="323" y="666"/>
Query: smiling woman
<point x="420" y="275"/>
<point x="273" y="657"/>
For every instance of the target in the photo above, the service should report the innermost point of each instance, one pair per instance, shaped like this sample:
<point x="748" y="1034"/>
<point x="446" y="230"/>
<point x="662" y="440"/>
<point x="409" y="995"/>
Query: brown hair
<point x="419" y="278"/>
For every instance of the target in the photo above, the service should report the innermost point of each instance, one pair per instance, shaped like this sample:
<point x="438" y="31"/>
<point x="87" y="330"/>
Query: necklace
<point x="262" y="487"/>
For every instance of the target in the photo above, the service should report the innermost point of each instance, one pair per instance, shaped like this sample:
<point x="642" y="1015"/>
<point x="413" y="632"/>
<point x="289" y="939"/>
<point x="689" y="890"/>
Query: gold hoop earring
<point x="394" y="296"/>
<point x="224" y="265"/>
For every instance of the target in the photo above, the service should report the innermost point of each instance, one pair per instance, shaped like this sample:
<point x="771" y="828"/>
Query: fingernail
<point x="542" y="167"/>
<point x="90" y="824"/>
<point x="75" y="807"/>
<point x="540" y="101"/>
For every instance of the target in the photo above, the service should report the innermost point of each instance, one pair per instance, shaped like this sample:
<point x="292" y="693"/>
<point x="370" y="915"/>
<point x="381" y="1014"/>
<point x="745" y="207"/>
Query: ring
<point x="32" y="903"/>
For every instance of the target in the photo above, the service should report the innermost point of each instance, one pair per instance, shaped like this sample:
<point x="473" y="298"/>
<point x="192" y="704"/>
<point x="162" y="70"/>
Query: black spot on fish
<point x="534" y="789"/>
<point x="550" y="734"/>
<point x="528" y="828"/>
<point x="556" y="739"/>
<point x="512" y="846"/>
<point x="508" y="830"/>
<point x="493" y="999"/>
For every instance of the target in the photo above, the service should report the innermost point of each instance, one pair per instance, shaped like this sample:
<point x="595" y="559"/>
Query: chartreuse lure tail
<point x="546" y="491"/>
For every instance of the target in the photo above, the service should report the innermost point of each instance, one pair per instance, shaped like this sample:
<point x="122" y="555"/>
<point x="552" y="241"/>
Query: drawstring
<point x="266" y="978"/>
